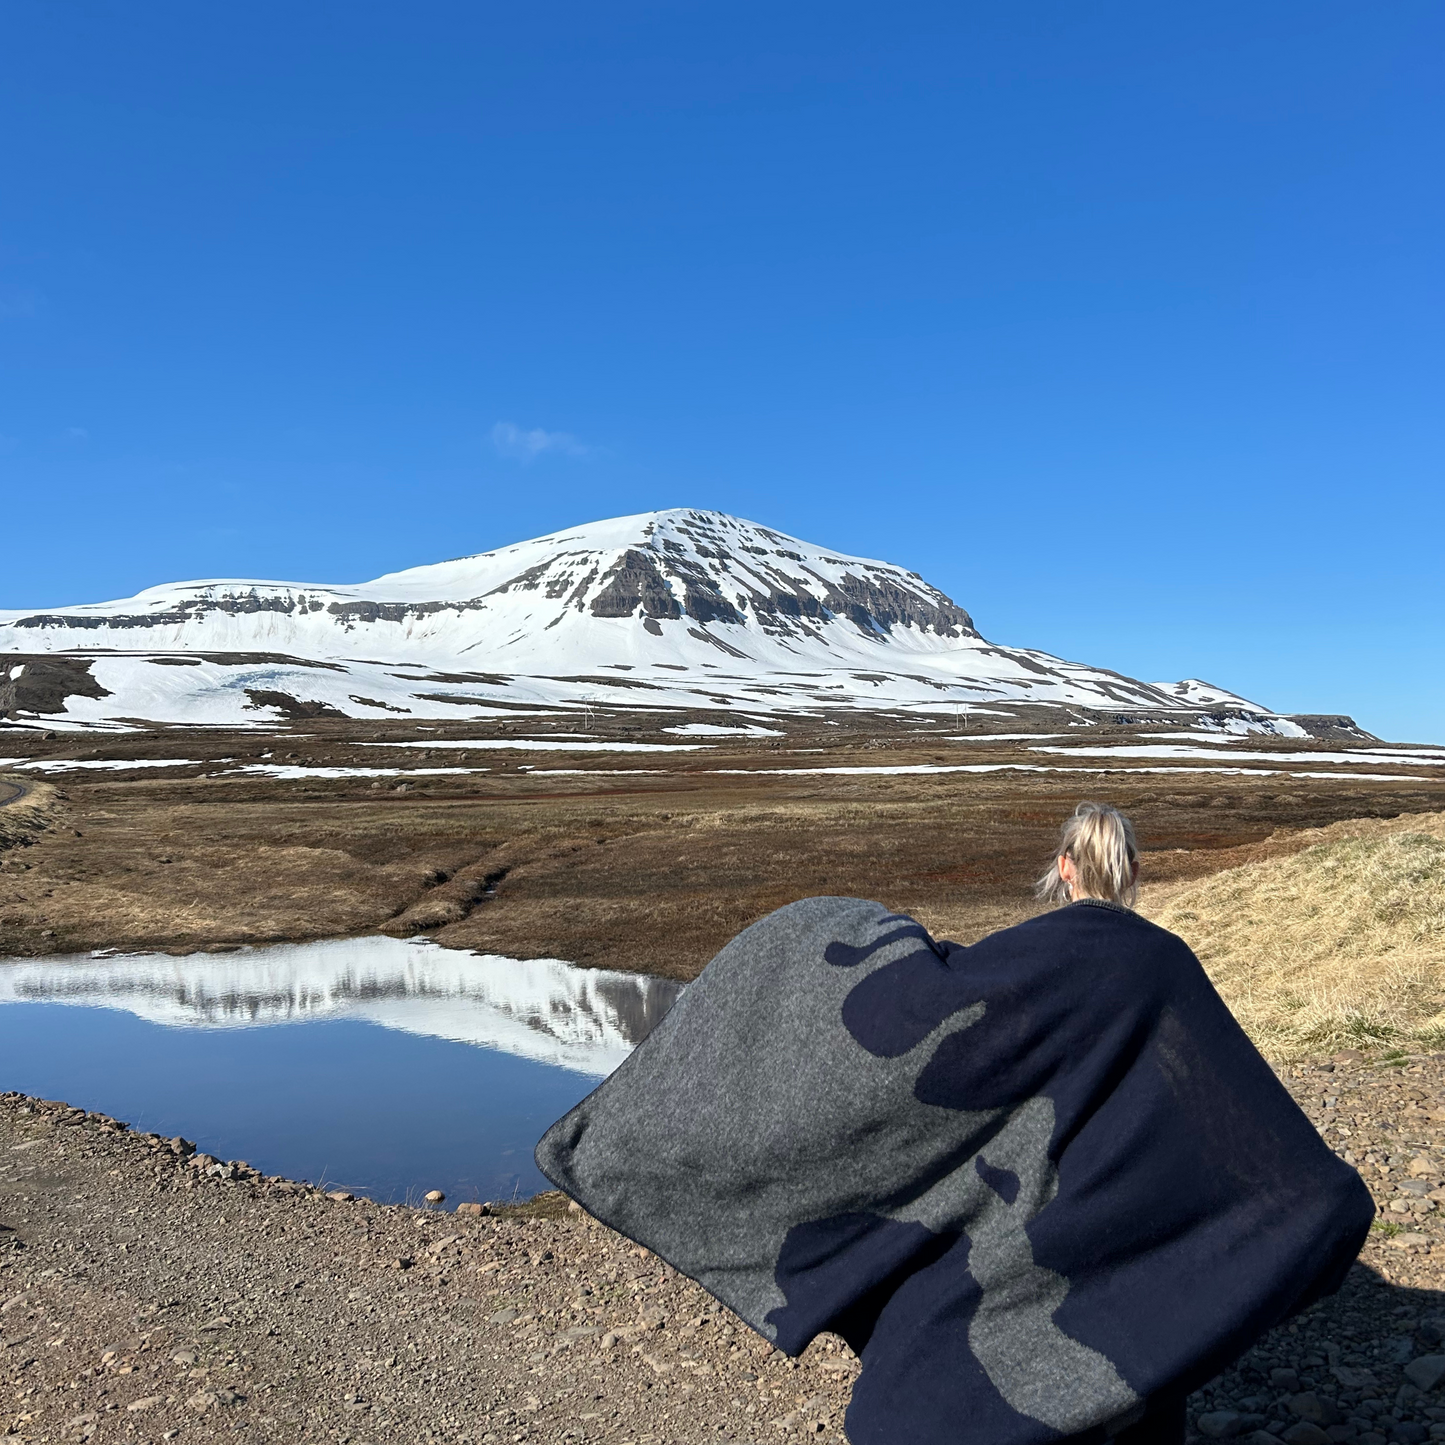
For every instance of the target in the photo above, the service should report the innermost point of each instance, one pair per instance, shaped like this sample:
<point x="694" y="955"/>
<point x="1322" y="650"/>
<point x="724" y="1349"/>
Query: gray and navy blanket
<point x="1034" y="1182"/>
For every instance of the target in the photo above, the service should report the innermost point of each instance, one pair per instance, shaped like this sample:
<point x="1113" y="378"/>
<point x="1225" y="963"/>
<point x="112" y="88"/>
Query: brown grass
<point x="1342" y="943"/>
<point x="27" y="815"/>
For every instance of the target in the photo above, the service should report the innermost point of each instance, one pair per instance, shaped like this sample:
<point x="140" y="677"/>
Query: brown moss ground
<point x="652" y="868"/>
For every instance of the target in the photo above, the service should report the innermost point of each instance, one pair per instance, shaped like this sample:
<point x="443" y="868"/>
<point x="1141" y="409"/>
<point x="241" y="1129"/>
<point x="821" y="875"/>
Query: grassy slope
<point x="1342" y="943"/>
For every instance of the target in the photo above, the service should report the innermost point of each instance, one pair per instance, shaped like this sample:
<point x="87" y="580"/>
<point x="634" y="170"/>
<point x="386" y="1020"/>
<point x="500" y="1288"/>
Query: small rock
<point x="146" y="1403"/>
<point x="202" y="1401"/>
<point x="473" y="1209"/>
<point x="1219" y="1424"/>
<point x="1423" y="1167"/>
<point x="1262" y="1437"/>
<point x="1411" y="1432"/>
<point x="1305" y="1433"/>
<point x="434" y="1196"/>
<point x="1410" y="1240"/>
<point x="184" y="1357"/>
<point x="340" y="1196"/>
<point x="1312" y="1408"/>
<point x="1352" y="1378"/>
<point x="1426" y="1372"/>
<point x="609" y="1339"/>
<point x="503" y="1317"/>
<point x="1285" y="1381"/>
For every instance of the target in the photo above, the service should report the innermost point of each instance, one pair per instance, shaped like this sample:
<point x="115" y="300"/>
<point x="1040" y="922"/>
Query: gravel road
<point x="148" y="1293"/>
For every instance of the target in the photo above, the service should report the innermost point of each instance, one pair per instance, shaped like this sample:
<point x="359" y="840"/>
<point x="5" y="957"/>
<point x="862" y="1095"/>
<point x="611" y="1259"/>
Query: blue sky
<point x="1122" y="323"/>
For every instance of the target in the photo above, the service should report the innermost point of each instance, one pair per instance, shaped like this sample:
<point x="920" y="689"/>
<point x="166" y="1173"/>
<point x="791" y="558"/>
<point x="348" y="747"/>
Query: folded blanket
<point x="1034" y="1181"/>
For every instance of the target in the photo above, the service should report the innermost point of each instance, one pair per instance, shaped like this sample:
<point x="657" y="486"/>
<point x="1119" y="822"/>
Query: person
<point x="1043" y="1184"/>
<point x="1097" y="860"/>
<point x="1096" y="864"/>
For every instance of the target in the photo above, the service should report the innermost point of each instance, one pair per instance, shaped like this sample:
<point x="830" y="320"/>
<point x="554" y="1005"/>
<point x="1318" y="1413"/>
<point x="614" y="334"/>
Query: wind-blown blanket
<point x="1034" y="1181"/>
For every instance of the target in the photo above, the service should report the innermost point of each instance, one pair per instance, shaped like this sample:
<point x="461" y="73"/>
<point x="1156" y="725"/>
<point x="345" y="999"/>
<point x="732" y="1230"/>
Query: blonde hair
<point x="1100" y="840"/>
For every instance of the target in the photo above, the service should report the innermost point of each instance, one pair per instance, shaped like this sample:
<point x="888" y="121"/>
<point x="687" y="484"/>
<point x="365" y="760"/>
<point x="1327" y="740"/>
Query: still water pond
<point x="371" y="1064"/>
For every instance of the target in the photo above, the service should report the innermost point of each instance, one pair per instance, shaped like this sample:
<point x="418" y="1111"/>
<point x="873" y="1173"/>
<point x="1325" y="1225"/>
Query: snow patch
<point x="716" y="730"/>
<point x="543" y="745"/>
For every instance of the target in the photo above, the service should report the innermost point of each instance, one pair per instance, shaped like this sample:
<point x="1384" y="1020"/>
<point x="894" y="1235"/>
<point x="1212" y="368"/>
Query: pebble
<point x="1426" y="1372"/>
<point x="1309" y="1407"/>
<point x="1219" y="1424"/>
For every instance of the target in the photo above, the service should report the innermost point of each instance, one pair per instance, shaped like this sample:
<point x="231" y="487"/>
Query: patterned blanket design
<point x="1034" y="1181"/>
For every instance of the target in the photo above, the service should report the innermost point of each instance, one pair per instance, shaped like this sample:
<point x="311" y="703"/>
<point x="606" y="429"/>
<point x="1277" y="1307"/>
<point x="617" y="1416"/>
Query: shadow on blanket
<point x="1036" y="1182"/>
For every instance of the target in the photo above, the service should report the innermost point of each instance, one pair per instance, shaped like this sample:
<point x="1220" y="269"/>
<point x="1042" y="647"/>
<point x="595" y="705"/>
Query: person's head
<point x="1097" y="857"/>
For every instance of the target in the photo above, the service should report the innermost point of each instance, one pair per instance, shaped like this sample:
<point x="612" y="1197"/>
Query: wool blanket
<point x="1034" y="1182"/>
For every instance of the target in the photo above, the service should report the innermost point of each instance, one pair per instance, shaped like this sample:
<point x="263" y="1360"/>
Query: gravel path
<point x="149" y="1294"/>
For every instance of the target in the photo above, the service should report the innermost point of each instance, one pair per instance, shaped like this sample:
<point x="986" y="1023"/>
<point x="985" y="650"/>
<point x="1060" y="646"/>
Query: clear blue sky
<point x="1120" y="322"/>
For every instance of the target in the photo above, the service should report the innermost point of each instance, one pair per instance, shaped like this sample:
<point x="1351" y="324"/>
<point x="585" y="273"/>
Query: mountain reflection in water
<point x="583" y="1020"/>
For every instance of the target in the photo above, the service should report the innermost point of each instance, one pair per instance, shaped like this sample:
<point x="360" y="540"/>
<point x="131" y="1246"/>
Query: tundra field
<point x="150" y="1293"/>
<point x="1307" y="872"/>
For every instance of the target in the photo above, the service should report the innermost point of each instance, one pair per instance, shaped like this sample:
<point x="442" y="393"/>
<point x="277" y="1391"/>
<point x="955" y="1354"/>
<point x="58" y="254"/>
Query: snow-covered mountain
<point x="669" y="609"/>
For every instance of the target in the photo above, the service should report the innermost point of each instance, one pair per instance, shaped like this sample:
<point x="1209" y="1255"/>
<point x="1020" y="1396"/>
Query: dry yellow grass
<point x="1340" y="944"/>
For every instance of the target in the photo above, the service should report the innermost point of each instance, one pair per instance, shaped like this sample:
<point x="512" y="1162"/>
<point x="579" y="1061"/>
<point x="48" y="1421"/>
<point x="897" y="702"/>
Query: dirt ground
<point x="150" y="1294"/>
<point x="645" y="861"/>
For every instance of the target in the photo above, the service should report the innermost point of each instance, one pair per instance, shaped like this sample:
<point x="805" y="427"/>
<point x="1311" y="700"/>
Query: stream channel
<point x="381" y="1066"/>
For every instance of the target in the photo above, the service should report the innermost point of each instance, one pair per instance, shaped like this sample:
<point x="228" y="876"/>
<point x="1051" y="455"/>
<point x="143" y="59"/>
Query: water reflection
<point x="385" y="1067"/>
<point x="583" y="1020"/>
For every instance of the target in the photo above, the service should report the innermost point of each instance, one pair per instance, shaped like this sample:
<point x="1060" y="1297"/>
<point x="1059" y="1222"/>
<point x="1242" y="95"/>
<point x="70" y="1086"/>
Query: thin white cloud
<point x="526" y="446"/>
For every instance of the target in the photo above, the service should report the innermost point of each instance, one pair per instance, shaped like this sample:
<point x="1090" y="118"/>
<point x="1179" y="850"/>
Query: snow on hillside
<point x="667" y="609"/>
